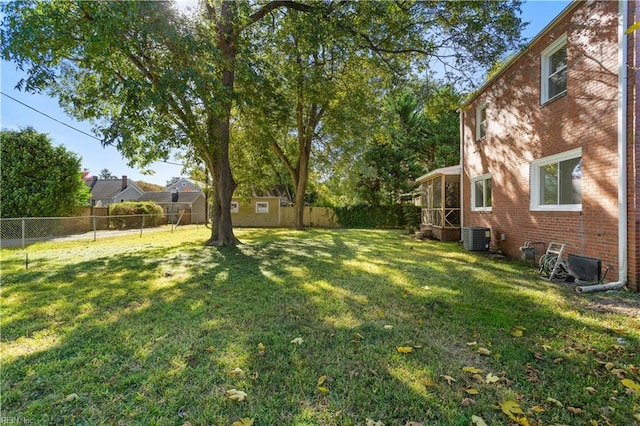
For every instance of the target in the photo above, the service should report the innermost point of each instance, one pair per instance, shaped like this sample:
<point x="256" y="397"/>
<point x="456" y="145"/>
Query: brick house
<point x="549" y="150"/>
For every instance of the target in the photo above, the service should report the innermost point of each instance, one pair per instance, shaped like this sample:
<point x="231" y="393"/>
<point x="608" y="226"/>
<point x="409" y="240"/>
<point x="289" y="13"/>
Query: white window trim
<point x="262" y="207"/>
<point x="534" y="182"/>
<point x="482" y="178"/>
<point x="544" y="69"/>
<point x="479" y="109"/>
<point x="235" y="207"/>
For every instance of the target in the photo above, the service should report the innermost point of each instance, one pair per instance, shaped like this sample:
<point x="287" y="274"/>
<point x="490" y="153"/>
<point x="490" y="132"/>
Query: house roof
<point x="168" y="197"/>
<point x="447" y="171"/>
<point x="108" y="188"/>
<point x="515" y="58"/>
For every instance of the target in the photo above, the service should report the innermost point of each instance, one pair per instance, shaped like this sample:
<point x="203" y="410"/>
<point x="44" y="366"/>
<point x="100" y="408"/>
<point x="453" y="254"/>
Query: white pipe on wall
<point x="623" y="11"/>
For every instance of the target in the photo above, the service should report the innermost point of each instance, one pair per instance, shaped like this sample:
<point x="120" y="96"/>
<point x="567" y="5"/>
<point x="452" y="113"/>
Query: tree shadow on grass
<point x="151" y="336"/>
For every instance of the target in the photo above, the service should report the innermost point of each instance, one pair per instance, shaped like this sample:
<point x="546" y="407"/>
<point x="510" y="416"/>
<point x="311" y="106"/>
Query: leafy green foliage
<point x="38" y="179"/>
<point x="418" y="135"/>
<point x="368" y="216"/>
<point x="153" y="214"/>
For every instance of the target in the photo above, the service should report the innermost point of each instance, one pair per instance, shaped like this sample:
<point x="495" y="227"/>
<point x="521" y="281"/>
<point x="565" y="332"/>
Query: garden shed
<point x="440" y="200"/>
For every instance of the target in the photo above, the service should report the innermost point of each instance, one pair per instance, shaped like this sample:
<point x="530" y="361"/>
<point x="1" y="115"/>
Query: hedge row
<point x="364" y="216"/>
<point x="154" y="215"/>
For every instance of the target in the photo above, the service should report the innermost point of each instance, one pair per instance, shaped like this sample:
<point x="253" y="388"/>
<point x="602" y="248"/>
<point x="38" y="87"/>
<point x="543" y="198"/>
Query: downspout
<point x="622" y="157"/>
<point x="461" y="171"/>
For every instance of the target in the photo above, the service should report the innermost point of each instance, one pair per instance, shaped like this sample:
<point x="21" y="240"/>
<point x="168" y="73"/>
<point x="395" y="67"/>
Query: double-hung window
<point x="235" y="207"/>
<point x="553" y="73"/>
<point x="556" y="182"/>
<point x="481" y="193"/>
<point x="481" y="121"/>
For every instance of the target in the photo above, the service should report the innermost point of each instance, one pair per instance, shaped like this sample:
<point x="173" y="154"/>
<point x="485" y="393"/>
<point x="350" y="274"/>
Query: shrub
<point x="153" y="214"/>
<point x="365" y="216"/>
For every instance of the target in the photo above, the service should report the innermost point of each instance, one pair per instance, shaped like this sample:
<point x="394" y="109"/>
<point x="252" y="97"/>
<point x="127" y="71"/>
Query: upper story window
<point x="481" y="121"/>
<point x="556" y="182"/>
<point x="553" y="74"/>
<point x="481" y="193"/>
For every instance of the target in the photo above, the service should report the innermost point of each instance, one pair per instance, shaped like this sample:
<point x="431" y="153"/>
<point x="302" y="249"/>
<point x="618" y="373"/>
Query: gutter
<point x="623" y="10"/>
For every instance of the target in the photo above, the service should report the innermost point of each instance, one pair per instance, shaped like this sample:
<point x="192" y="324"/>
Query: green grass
<point x="146" y="330"/>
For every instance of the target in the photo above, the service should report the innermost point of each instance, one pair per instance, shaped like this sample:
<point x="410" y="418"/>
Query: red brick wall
<point x="633" y="151"/>
<point x="521" y="130"/>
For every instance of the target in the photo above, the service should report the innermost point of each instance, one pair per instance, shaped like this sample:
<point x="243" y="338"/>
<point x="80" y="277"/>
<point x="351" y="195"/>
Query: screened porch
<point x="440" y="200"/>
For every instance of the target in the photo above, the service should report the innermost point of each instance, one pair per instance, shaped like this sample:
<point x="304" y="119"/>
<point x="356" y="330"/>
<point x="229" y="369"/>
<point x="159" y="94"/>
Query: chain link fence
<point x="21" y="232"/>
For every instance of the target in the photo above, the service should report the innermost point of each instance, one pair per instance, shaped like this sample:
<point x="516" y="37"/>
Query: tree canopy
<point x="38" y="179"/>
<point x="152" y="79"/>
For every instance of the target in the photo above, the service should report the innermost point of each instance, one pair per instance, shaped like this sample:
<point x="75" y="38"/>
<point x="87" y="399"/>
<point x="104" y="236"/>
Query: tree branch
<point x="271" y="6"/>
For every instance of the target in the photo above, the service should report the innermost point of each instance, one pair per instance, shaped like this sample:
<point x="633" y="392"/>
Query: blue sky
<point x="95" y="158"/>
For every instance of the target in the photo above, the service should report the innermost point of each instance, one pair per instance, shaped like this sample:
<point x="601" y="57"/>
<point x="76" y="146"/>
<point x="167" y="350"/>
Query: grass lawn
<point x="329" y="327"/>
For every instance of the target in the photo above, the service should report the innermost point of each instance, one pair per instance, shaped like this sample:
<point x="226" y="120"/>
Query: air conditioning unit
<point x="476" y="238"/>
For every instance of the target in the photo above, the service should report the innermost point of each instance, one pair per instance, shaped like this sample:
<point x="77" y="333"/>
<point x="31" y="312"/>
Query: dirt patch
<point x="615" y="302"/>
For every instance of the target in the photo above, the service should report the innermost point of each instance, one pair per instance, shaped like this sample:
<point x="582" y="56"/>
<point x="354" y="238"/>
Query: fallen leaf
<point x="211" y="349"/>
<point x="538" y="409"/>
<point x="575" y="410"/>
<point x="538" y="356"/>
<point x="236" y="395"/>
<point x="491" y="378"/>
<point x="358" y="336"/>
<point x="609" y="366"/>
<point x="514" y="412"/>
<point x="484" y="351"/>
<point x="261" y="346"/>
<point x="404" y="349"/>
<point x="619" y="373"/>
<point x="591" y="389"/>
<point x="426" y="287"/>
<point x="472" y="343"/>
<point x="554" y="402"/>
<point x="558" y="360"/>
<point x="322" y="379"/>
<point x="374" y="423"/>
<point x="516" y="332"/>
<point x="237" y="372"/>
<point x="546" y="347"/>
<point x="323" y="389"/>
<point x="71" y="397"/>
<point x="467" y="402"/>
<point x="449" y="379"/>
<point x="473" y="370"/>
<point x="388" y="327"/>
<point x="245" y="421"/>
<point x="477" y="421"/>
<point x="628" y="383"/>
<point x="478" y="378"/>
<point x="413" y="424"/>
<point x="471" y="391"/>
<point x="297" y="340"/>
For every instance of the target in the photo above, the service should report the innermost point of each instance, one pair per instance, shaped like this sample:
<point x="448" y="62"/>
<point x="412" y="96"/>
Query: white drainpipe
<point x="461" y="171"/>
<point x="622" y="157"/>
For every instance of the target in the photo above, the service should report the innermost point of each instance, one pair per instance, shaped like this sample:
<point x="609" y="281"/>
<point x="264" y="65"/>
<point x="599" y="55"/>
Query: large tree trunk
<point x="218" y="130"/>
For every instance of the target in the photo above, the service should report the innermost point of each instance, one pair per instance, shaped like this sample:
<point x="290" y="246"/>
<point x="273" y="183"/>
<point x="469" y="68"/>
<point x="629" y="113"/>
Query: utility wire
<point x="52" y="118"/>
<point x="70" y="126"/>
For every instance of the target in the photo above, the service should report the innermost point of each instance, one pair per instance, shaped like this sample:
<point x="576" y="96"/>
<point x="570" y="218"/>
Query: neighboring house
<point x="183" y="185"/>
<point x="110" y="191"/>
<point x="548" y="146"/>
<point x="173" y="203"/>
<point x="263" y="209"/>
